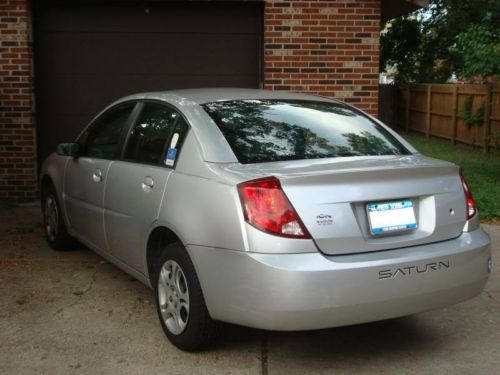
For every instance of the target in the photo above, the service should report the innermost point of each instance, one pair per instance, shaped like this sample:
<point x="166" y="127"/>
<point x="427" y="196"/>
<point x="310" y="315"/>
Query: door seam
<point x="102" y="205"/>
<point x="163" y="196"/>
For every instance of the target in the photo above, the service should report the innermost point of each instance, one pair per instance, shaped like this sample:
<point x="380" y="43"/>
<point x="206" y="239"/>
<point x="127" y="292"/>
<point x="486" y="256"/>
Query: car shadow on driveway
<point x="388" y="336"/>
<point x="66" y="311"/>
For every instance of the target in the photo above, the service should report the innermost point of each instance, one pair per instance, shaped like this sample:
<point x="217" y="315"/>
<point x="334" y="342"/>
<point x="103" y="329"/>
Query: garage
<point x="62" y="61"/>
<point x="88" y="54"/>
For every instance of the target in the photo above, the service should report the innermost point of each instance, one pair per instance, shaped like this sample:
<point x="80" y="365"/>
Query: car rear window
<point x="274" y="130"/>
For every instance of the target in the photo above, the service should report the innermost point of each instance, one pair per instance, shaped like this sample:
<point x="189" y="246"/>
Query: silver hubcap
<point x="51" y="217"/>
<point x="173" y="297"/>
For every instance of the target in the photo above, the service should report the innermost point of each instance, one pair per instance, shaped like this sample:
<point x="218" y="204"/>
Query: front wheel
<point x="180" y="303"/>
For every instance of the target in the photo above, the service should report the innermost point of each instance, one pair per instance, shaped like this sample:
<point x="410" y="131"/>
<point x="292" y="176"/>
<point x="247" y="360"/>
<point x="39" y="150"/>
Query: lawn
<point x="481" y="170"/>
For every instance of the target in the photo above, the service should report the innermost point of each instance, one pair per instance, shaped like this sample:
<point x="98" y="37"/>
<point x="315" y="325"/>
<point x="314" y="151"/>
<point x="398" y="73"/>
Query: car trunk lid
<point x="331" y="198"/>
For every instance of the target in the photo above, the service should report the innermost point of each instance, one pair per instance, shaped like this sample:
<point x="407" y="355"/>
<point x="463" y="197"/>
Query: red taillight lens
<point x="469" y="201"/>
<point x="267" y="208"/>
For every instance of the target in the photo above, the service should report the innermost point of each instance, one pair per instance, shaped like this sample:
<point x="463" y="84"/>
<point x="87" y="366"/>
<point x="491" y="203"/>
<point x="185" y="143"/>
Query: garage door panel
<point x="64" y="126"/>
<point x="88" y="55"/>
<point x="197" y="54"/>
<point x="184" y="17"/>
<point x="107" y="88"/>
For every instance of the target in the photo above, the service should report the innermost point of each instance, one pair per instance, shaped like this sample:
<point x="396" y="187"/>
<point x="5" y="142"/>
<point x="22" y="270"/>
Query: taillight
<point x="267" y="208"/>
<point x="469" y="201"/>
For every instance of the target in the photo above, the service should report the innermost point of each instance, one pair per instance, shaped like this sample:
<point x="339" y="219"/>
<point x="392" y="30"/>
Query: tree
<point x="448" y="37"/>
<point x="479" y="49"/>
<point x="399" y="45"/>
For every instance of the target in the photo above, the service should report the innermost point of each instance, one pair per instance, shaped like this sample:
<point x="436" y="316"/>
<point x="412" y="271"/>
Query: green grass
<point x="481" y="170"/>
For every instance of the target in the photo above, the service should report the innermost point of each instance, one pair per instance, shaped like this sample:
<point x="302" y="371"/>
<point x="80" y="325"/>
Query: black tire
<point x="54" y="227"/>
<point x="200" y="331"/>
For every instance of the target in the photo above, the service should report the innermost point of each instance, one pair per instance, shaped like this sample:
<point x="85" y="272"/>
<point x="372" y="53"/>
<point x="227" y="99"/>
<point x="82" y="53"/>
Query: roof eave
<point x="396" y="8"/>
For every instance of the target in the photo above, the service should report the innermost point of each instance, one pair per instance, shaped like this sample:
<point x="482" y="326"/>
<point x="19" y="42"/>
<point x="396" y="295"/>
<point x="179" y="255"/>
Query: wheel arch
<point x="45" y="182"/>
<point x="159" y="237"/>
<point x="52" y="173"/>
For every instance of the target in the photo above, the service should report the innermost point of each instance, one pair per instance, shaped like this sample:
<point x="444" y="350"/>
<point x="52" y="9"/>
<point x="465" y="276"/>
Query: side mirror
<point x="68" y="149"/>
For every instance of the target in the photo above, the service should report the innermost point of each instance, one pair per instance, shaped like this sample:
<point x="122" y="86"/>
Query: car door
<point x="136" y="183"/>
<point x="85" y="176"/>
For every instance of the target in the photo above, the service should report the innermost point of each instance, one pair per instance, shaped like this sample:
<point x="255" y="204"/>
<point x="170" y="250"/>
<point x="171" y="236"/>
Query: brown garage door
<point x="86" y="56"/>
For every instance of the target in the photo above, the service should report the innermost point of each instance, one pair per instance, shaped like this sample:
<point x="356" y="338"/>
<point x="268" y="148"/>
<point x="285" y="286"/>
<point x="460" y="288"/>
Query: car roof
<point x="212" y="144"/>
<point x="208" y="95"/>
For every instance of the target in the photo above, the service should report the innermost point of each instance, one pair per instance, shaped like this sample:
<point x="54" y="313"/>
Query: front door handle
<point x="148" y="183"/>
<point x="97" y="175"/>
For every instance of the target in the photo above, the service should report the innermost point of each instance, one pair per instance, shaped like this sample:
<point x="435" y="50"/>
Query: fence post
<point x="428" y="111"/>
<point x="407" y="108"/>
<point x="454" y="114"/>
<point x="395" y="101"/>
<point x="486" y="121"/>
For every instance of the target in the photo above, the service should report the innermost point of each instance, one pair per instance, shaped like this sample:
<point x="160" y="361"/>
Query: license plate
<point x="388" y="217"/>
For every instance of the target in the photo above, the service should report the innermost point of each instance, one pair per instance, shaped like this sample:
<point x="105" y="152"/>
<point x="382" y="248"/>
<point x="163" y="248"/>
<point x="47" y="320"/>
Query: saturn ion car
<point x="265" y="209"/>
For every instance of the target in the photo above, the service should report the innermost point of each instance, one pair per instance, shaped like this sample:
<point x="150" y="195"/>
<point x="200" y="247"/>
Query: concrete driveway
<point x="73" y="312"/>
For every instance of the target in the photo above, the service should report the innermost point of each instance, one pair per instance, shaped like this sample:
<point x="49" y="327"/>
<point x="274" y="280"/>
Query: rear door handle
<point x="97" y="175"/>
<point x="148" y="183"/>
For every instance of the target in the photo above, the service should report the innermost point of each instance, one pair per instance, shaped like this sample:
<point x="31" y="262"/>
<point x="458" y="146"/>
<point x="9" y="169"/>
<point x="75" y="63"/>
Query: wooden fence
<point x="438" y="110"/>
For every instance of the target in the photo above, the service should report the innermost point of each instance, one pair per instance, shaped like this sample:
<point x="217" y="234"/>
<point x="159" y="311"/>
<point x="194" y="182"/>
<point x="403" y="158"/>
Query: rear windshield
<point x="274" y="130"/>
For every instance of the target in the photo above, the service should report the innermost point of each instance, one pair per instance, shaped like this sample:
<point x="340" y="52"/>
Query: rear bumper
<point x="312" y="291"/>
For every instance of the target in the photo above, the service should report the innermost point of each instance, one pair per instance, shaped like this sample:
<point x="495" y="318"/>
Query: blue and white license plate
<point x="387" y="217"/>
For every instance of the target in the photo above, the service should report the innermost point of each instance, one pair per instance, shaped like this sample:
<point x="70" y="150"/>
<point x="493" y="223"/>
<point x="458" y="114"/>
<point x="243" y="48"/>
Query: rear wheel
<point x="180" y="303"/>
<point x="53" y="223"/>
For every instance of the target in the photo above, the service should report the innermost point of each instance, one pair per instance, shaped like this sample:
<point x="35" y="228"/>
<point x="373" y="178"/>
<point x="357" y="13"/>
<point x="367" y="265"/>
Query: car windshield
<point x="275" y="130"/>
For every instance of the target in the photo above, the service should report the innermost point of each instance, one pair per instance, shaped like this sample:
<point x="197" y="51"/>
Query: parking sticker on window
<point x="172" y="151"/>
<point x="171" y="156"/>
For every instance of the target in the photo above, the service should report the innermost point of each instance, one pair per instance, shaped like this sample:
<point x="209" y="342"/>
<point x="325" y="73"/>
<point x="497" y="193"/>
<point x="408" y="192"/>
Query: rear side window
<point x="102" y="139"/>
<point x="274" y="130"/>
<point x="147" y="139"/>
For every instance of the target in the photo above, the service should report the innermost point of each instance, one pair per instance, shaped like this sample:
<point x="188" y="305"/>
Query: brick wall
<point x="328" y="48"/>
<point x="17" y="128"/>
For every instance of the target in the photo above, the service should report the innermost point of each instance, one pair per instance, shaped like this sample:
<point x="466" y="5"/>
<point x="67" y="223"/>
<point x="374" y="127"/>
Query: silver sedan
<point x="266" y="209"/>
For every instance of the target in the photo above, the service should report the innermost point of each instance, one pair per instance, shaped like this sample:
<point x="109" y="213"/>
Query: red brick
<point x="17" y="148"/>
<point x="336" y="51"/>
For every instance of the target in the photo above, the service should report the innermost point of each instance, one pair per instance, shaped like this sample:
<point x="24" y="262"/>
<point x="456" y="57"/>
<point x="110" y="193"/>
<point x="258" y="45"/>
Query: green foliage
<point x="479" y="47"/>
<point x="482" y="170"/>
<point x="449" y="36"/>
<point x="471" y="119"/>
<point x="399" y="44"/>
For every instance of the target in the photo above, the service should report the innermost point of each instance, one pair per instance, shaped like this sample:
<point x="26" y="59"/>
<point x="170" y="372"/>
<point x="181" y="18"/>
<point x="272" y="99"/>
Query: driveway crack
<point x="80" y="293"/>
<point x="90" y="285"/>
<point x="264" y="353"/>
<point x="490" y="296"/>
